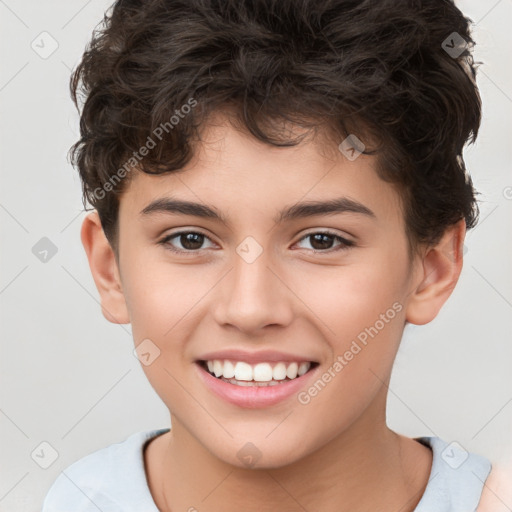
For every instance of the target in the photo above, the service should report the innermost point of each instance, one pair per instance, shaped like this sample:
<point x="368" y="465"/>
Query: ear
<point x="104" y="269"/>
<point x="438" y="273"/>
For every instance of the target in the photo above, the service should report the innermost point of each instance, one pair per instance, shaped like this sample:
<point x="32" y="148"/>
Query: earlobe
<point x="438" y="274"/>
<point x="105" y="272"/>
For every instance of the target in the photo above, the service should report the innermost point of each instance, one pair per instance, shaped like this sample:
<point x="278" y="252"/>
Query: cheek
<point x="359" y="312"/>
<point x="346" y="300"/>
<point x="362" y="319"/>
<point x="160" y="295"/>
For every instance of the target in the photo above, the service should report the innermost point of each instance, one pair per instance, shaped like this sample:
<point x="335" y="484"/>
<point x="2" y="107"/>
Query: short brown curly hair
<point x="397" y="72"/>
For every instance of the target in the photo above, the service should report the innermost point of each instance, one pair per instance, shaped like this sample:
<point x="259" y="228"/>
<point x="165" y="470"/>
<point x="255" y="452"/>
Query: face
<point x="256" y="273"/>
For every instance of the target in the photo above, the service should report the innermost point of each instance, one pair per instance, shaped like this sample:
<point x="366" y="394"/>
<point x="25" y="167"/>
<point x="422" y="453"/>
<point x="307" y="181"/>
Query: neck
<point x="366" y="467"/>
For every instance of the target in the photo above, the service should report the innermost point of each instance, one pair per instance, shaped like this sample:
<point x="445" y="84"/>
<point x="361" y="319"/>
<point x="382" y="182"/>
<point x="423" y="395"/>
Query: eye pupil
<point x="321" y="237"/>
<point x="192" y="241"/>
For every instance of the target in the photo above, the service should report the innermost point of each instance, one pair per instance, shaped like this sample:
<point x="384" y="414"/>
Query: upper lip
<point x="254" y="357"/>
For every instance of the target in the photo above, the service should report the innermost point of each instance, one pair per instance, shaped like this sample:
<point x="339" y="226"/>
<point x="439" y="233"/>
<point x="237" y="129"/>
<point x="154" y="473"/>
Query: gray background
<point x="69" y="378"/>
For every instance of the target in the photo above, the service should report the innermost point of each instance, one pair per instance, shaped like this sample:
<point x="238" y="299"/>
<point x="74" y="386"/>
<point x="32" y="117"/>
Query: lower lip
<point x="253" y="397"/>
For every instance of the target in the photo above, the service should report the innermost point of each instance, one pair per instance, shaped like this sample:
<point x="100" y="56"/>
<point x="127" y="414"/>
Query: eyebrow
<point x="297" y="211"/>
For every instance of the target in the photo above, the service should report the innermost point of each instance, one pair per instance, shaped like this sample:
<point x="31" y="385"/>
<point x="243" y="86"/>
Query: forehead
<point x="235" y="172"/>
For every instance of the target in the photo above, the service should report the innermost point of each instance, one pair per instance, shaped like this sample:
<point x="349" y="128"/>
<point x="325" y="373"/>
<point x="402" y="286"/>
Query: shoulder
<point x="457" y="477"/>
<point x="497" y="493"/>
<point x="104" y="479"/>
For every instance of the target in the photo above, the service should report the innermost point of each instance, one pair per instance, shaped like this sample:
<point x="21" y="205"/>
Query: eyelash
<point x="345" y="244"/>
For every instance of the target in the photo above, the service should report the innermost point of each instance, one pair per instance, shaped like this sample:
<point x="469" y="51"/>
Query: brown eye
<point x="323" y="241"/>
<point x="190" y="241"/>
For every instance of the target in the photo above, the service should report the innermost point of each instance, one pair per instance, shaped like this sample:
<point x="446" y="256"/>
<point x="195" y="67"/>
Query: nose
<point x="253" y="295"/>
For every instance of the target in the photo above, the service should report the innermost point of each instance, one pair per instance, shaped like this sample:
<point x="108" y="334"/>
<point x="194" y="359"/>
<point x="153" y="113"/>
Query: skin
<point x="336" y="453"/>
<point x="497" y="491"/>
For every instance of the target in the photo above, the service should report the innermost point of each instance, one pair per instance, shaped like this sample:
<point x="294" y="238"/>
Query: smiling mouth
<point x="261" y="374"/>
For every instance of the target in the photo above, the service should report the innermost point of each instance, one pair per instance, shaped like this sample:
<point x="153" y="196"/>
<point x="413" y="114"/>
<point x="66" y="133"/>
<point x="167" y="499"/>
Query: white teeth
<point x="218" y="368"/>
<point x="229" y="370"/>
<point x="252" y="383"/>
<point x="261" y="372"/>
<point x="243" y="371"/>
<point x="279" y="371"/>
<point x="291" y="371"/>
<point x="303" y="368"/>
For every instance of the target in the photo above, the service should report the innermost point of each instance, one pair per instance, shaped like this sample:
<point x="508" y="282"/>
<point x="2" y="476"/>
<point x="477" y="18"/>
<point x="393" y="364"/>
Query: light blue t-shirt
<point x="113" y="479"/>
